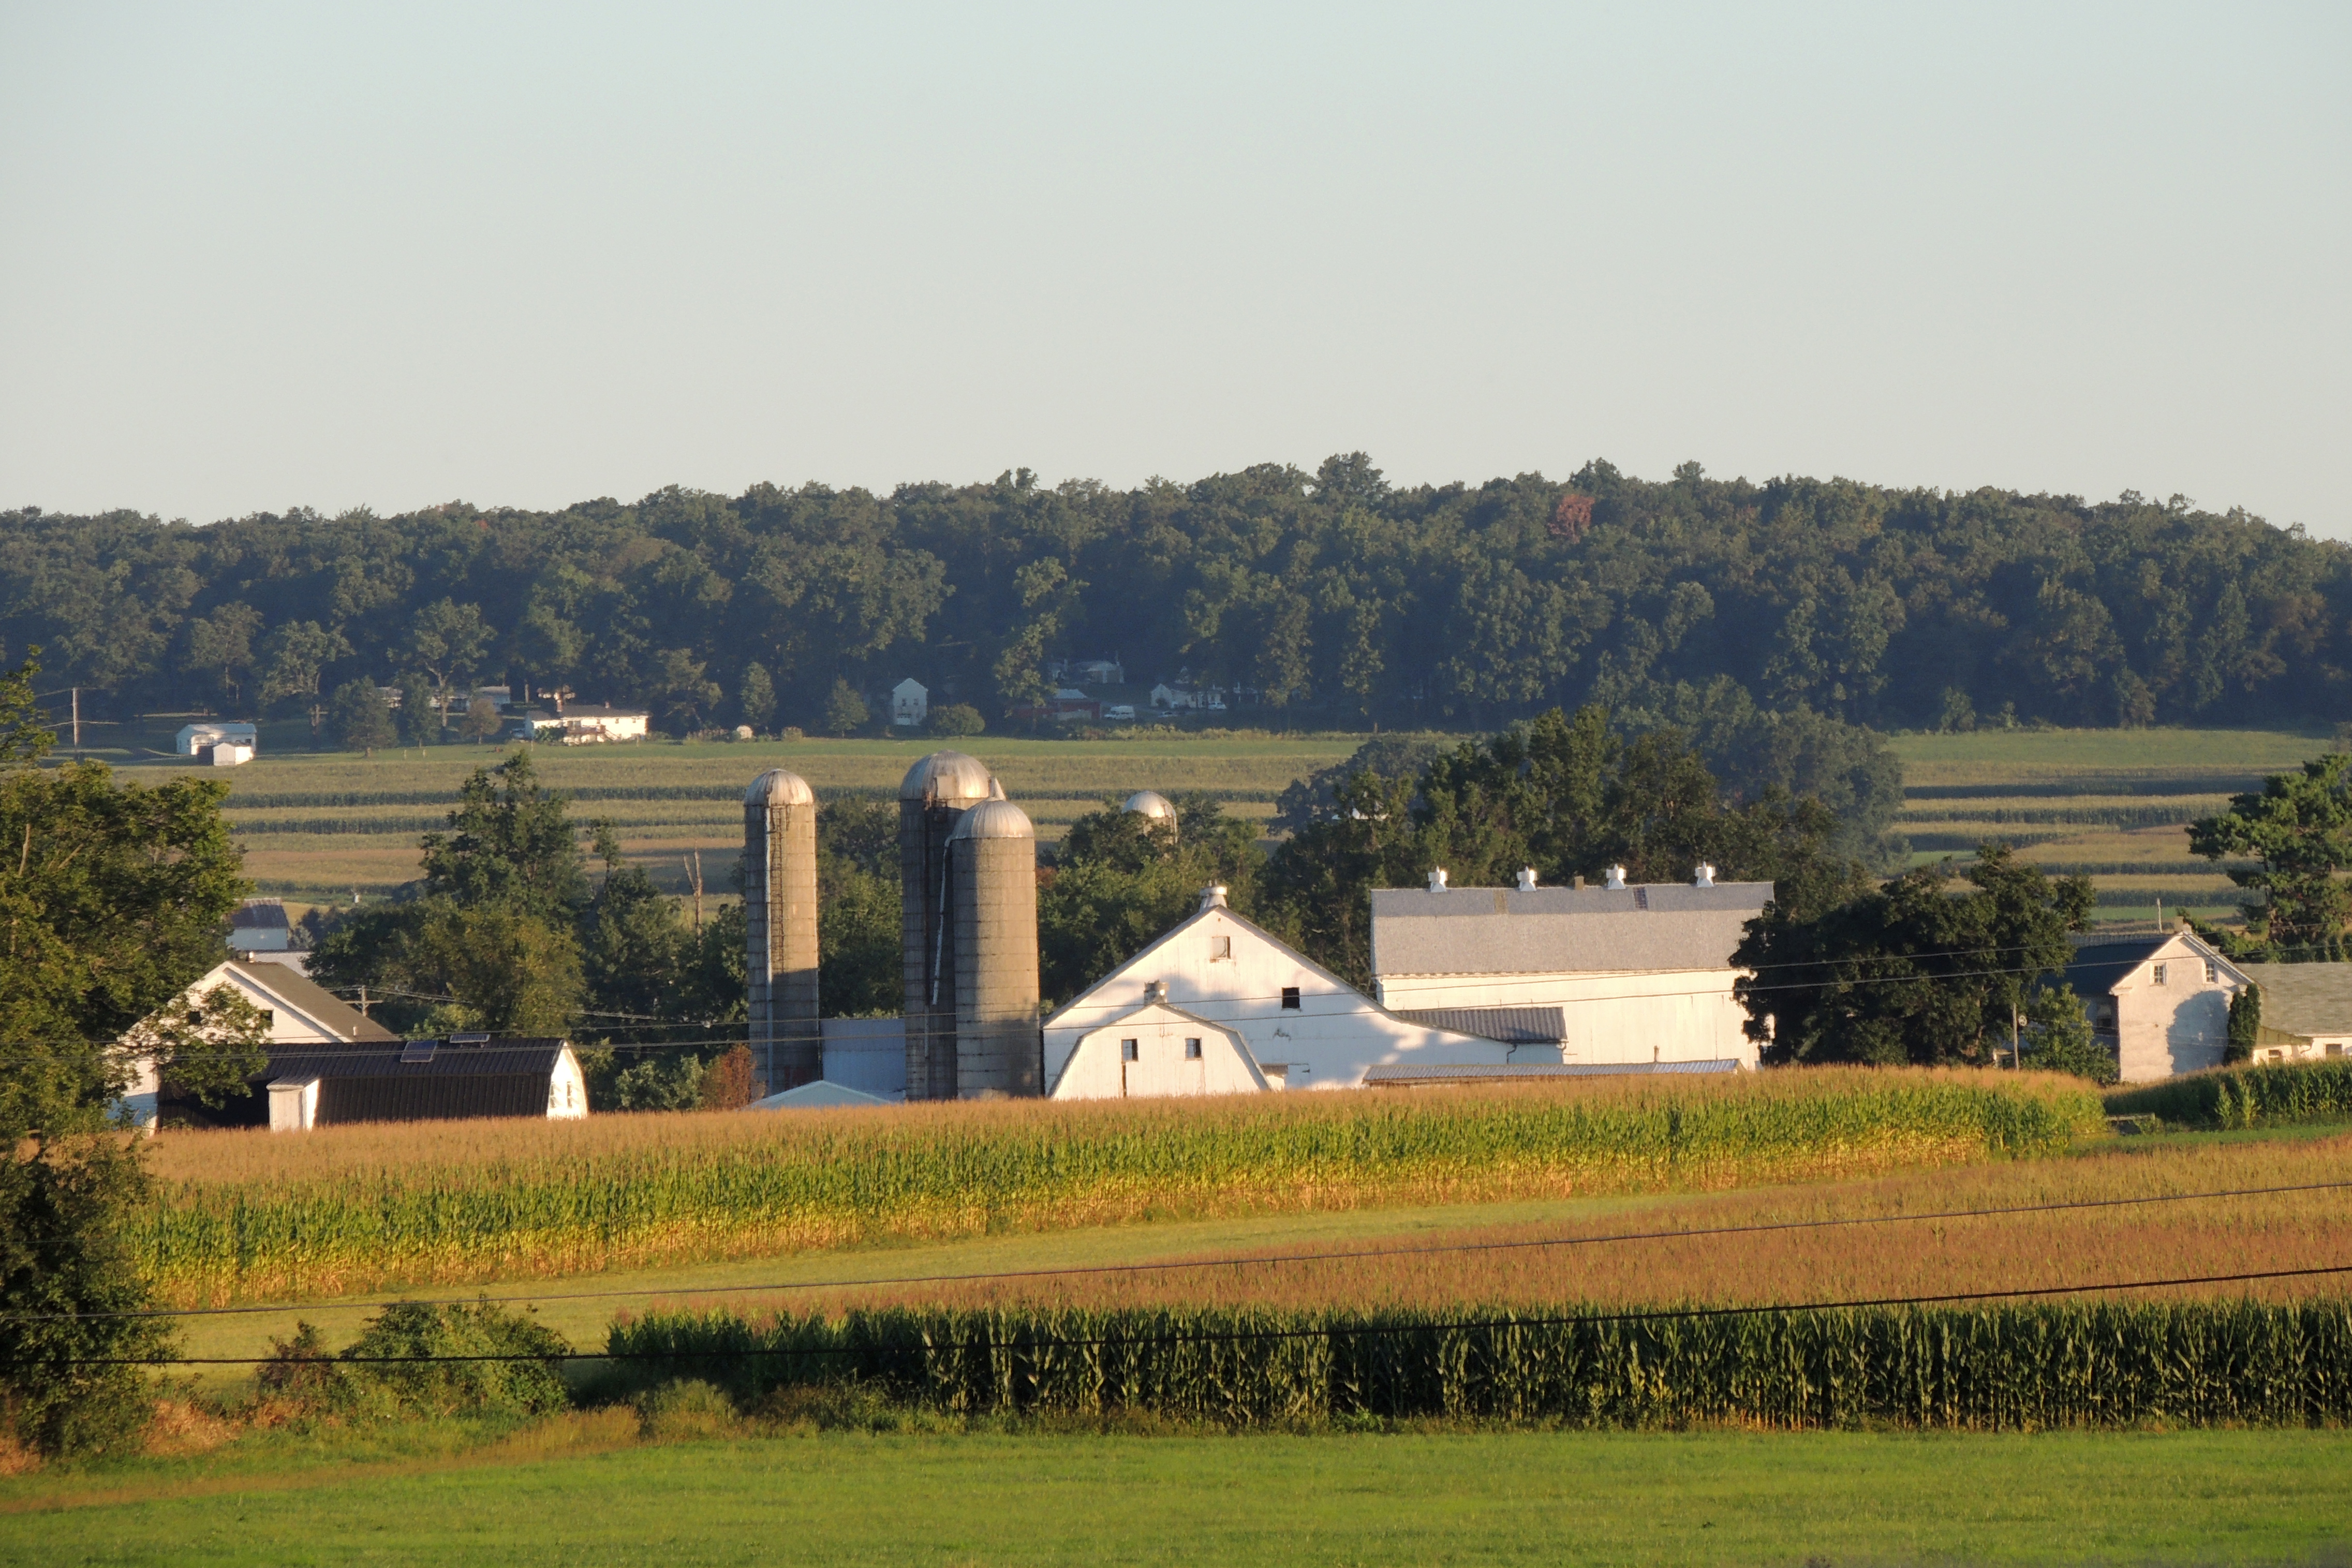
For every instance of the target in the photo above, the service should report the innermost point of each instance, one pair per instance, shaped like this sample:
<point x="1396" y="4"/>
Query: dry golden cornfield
<point x="249" y="1214"/>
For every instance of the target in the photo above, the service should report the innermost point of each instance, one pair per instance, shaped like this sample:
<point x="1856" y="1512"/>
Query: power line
<point x="1242" y="1336"/>
<point x="1181" y="1265"/>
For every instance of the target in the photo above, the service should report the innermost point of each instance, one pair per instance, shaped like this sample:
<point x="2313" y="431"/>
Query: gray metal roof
<point x="382" y="1058"/>
<point x="1552" y="930"/>
<point x="779" y="786"/>
<point x="946" y="776"/>
<point x="373" y="1081"/>
<point x="2097" y="967"/>
<point x="2304" y="999"/>
<point x="1511" y="1025"/>
<point x="307" y="996"/>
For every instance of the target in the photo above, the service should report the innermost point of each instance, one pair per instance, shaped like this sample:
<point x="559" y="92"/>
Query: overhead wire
<point x="1243" y="1336"/>
<point x="1184" y="1265"/>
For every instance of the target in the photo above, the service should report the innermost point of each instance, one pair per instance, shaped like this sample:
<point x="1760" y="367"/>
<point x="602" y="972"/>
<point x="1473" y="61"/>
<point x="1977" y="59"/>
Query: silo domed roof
<point x="948" y="776"/>
<point x="778" y="786"/>
<point x="994" y="819"/>
<point x="1150" y="802"/>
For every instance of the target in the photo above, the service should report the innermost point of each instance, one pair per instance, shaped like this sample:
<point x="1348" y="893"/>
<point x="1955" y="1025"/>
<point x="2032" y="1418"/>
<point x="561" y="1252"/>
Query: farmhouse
<point x="1300" y="1026"/>
<point x="2307" y="1010"/>
<point x="581" y="725"/>
<point x="260" y="932"/>
<point x="910" y="703"/>
<point x="1615" y="975"/>
<point x="2160" y="1002"/>
<point x="297" y="1011"/>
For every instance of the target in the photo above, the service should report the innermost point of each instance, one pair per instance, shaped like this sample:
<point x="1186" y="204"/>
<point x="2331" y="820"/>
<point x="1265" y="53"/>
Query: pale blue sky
<point x="259" y="256"/>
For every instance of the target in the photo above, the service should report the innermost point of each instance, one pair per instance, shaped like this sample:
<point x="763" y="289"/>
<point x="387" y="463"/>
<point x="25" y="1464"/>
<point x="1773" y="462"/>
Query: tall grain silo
<point x="780" y="929"/>
<point x="993" y="881"/>
<point x="932" y="799"/>
<point x="1151" y="805"/>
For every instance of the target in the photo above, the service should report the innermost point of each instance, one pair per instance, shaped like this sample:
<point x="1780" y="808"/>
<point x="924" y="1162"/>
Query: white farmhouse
<point x="2160" y="1002"/>
<point x="582" y="724"/>
<point x="1615" y="975"/>
<point x="910" y="703"/>
<point x="2307" y="1010"/>
<point x="1301" y="1026"/>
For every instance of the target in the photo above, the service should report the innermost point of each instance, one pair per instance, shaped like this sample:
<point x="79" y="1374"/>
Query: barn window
<point x="1192" y="1050"/>
<point x="1219" y="947"/>
<point x="1290" y="997"/>
<point x="1126" y="1050"/>
<point x="268" y="1017"/>
<point x="2159" y="976"/>
<point x="2212" y="972"/>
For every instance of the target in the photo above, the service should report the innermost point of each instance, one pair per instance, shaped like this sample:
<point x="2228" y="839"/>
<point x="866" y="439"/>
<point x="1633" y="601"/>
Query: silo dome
<point x="1150" y="802"/>
<point x="994" y="819"/>
<point x="946" y="777"/>
<point x="778" y="786"/>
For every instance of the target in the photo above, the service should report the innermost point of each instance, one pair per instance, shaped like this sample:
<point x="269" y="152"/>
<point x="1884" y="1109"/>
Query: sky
<point x="254" y="257"/>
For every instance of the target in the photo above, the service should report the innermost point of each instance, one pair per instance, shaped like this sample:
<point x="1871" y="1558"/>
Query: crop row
<point x="245" y="1216"/>
<point x="1998" y="1368"/>
<point x="2161" y="814"/>
<point x="2250" y="1096"/>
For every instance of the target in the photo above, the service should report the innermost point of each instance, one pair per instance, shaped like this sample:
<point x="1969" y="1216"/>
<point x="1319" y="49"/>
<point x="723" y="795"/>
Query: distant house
<point x="1173" y="698"/>
<point x="1096" y="672"/>
<point x="2307" y="1010"/>
<point x="1609" y="976"/>
<point x="1217" y="974"/>
<point x="578" y="725"/>
<point x="2160" y="1002"/>
<point x="259" y="932"/>
<point x="195" y="740"/>
<point x="910" y="703"/>
<point x="298" y="1012"/>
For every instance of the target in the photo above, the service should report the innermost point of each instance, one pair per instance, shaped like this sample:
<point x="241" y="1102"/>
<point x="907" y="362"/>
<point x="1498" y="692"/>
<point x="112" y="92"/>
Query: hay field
<point x="317" y="825"/>
<point x="2113" y="804"/>
<point x="247" y="1215"/>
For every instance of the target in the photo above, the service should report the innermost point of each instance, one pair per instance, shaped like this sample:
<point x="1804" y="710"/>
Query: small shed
<point x="439" y="1080"/>
<point x="910" y="703"/>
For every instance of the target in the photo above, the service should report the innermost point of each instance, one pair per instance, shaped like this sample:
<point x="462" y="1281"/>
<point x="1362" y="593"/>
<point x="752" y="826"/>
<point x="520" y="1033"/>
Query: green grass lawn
<point x="583" y="1491"/>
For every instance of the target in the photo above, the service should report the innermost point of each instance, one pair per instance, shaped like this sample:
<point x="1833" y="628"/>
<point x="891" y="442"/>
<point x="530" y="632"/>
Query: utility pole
<point x="693" y="871"/>
<point x="77" y="723"/>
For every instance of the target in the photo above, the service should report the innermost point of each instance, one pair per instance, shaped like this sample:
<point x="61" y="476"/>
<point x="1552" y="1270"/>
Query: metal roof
<point x="395" y="1082"/>
<point x="385" y="1058"/>
<point x="2096" y="969"/>
<point x="1553" y="930"/>
<point x="1511" y="1025"/>
<point x="311" y="999"/>
<point x="1150" y="802"/>
<point x="2305" y="999"/>
<point x="994" y="819"/>
<point x="946" y="776"/>
<point x="779" y="786"/>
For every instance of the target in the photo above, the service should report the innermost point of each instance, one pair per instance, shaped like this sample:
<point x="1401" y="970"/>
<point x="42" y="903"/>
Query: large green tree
<point x="1122" y="879"/>
<point x="2297" y="829"/>
<point x="1931" y="969"/>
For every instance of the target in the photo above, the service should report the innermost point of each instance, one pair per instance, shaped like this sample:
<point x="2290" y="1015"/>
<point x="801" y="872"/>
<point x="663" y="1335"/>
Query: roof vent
<point x="1155" y="991"/>
<point x="413" y="1051"/>
<point x="1437" y="880"/>
<point x="1211" y="898"/>
<point x="1616" y="882"/>
<point x="1703" y="876"/>
<point x="469" y="1039"/>
<point x="1527" y="879"/>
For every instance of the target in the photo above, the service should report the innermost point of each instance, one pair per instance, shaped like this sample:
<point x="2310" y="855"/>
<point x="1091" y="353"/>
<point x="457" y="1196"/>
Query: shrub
<point x="2267" y="1095"/>
<point x="955" y="719"/>
<point x="687" y="1408"/>
<point x="411" y="1360"/>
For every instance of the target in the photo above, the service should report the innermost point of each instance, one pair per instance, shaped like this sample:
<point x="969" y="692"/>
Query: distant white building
<point x="194" y="740"/>
<point x="2161" y="1002"/>
<point x="1218" y="979"/>
<point x="910" y="703"/>
<point x="1098" y="672"/>
<point x="296" y="1010"/>
<point x="2307" y="1010"/>
<point x="577" y="725"/>
<point x="1609" y="976"/>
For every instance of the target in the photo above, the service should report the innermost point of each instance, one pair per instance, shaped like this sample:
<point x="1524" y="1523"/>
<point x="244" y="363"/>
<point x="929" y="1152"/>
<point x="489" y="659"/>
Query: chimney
<point x="1616" y="882"/>
<point x="1578" y="882"/>
<point x="1437" y="880"/>
<point x="1703" y="876"/>
<point x="1527" y="879"/>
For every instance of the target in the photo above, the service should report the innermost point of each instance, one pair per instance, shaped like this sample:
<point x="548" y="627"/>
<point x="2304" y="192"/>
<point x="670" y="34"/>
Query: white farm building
<point x="1238" y="991"/>
<point x="1615" y="975"/>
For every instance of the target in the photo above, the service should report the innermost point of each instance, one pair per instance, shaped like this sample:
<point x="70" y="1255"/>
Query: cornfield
<point x="246" y="1215"/>
<point x="2001" y="1368"/>
<point x="2245" y="1096"/>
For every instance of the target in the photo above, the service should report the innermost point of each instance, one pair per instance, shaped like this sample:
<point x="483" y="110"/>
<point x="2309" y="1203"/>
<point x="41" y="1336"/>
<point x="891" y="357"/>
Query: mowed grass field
<point x="318" y="825"/>
<point x="2110" y="803"/>
<point x="586" y="1490"/>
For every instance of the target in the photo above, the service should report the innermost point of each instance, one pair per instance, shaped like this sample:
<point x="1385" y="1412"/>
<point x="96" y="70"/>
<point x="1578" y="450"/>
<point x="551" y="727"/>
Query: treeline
<point x="1331" y="594"/>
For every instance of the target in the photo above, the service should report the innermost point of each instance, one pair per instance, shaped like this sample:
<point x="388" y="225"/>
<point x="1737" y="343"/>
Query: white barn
<point x="1609" y="976"/>
<point x="1153" y="1048"/>
<point x="1301" y="1026"/>
<point x="296" y="1009"/>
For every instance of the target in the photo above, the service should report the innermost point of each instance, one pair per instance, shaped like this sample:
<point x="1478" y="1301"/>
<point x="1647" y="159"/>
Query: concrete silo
<point x="932" y="799"/>
<point x="780" y="927"/>
<point x="993" y="884"/>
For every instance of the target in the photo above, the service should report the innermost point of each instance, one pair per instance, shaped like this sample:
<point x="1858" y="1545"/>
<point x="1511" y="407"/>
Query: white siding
<point x="1325" y="1041"/>
<point x="1642" y="1015"/>
<point x="1099" y="1067"/>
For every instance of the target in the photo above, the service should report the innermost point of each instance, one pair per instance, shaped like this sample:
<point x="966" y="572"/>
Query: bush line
<point x="2250" y="1096"/>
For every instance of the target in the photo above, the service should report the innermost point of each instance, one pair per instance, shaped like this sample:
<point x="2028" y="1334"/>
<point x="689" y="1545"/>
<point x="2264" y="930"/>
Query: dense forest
<point x="1328" y="597"/>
